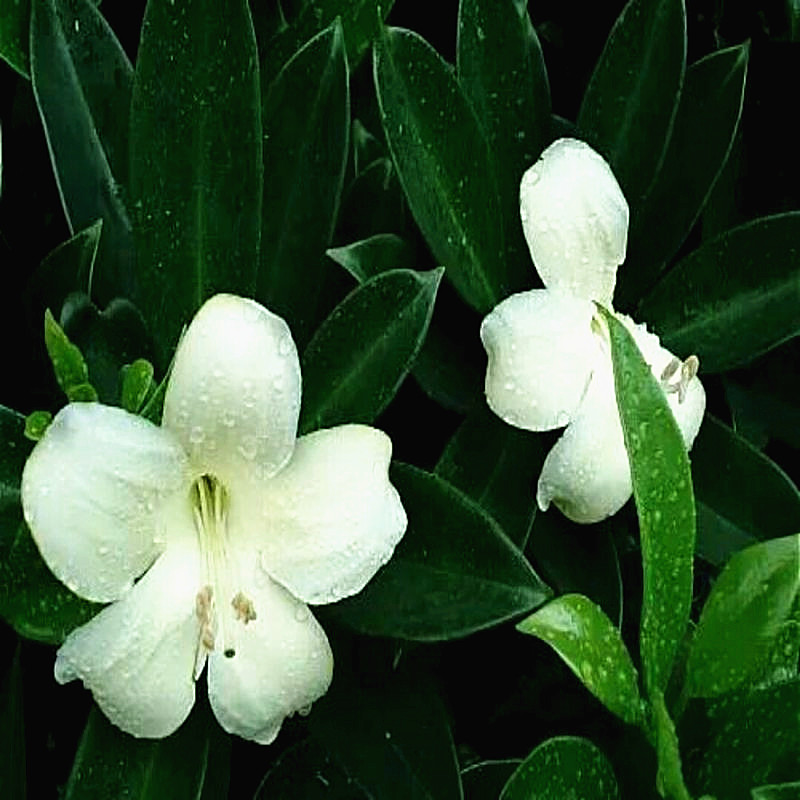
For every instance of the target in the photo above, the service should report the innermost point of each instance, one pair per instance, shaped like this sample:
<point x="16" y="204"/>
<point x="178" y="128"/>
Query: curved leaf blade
<point x="14" y="26"/>
<point x="369" y="257"/>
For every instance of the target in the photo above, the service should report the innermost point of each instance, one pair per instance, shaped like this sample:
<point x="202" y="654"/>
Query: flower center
<point x="677" y="374"/>
<point x="209" y="501"/>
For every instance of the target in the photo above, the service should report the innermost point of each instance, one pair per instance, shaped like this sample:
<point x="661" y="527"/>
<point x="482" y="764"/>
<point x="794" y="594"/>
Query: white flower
<point x="549" y="355"/>
<point x="232" y="524"/>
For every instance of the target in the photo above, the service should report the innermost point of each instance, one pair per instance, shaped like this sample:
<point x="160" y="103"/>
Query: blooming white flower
<point x="232" y="524"/>
<point x="549" y="353"/>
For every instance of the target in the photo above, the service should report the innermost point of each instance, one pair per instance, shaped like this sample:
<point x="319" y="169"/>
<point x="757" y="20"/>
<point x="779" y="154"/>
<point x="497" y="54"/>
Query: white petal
<point x="282" y="663"/>
<point x="137" y="656"/>
<point x="586" y="474"/>
<point x="333" y="519"/>
<point x="92" y="492"/>
<point x="234" y="394"/>
<point x="575" y="220"/>
<point x="541" y="355"/>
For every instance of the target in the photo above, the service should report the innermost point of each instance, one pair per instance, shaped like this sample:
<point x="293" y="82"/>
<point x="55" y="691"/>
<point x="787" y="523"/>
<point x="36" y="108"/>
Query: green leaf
<point x="629" y="106"/>
<point x="370" y="257"/>
<point x="12" y="732"/>
<point x="590" y="645"/>
<point x="741" y="495"/>
<point x="36" y="423"/>
<point x="751" y="601"/>
<point x="110" y="763"/>
<point x="68" y="364"/>
<point x="13" y="455"/>
<point x="137" y="383"/>
<point x="743" y="281"/>
<point x="82" y="83"/>
<point x="662" y="487"/>
<point x="306" y="115"/>
<point x="393" y="741"/>
<point x="496" y="465"/>
<point x="453" y="573"/>
<point x="705" y="127"/>
<point x="561" y="767"/>
<point x="669" y="778"/>
<point x="501" y="71"/>
<point x="783" y="791"/>
<point x="196" y="169"/>
<point x="486" y="779"/>
<point x="360" y="355"/>
<point x="444" y="165"/>
<point x="14" y="25"/>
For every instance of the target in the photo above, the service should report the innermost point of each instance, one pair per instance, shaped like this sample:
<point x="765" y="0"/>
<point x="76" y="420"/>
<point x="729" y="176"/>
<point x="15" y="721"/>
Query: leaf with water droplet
<point x="68" y="364"/>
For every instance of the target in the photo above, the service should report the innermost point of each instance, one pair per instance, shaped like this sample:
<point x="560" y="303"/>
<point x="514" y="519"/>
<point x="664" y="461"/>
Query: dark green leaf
<point x="14" y="25"/>
<point x="453" y="573"/>
<point x="486" y="779"/>
<point x="705" y="127"/>
<point x="360" y="355"/>
<point x="565" y="766"/>
<point x="366" y="147"/>
<point x="13" y="454"/>
<point x="662" y="486"/>
<point x="444" y="165"/>
<point x="370" y="257"/>
<point x="196" y="168"/>
<point x="394" y="741"/>
<point x="12" y="733"/>
<point x="629" y="106"/>
<point x="744" y="282"/>
<point x="590" y="645"/>
<point x="669" y="778"/>
<point x="36" y="423"/>
<point x="502" y="73"/>
<point x="741" y="495"/>
<point x="751" y="601"/>
<point x="137" y="383"/>
<point x="82" y="83"/>
<point x="496" y="465"/>
<point x="783" y="791"/>
<point x="68" y="364"/>
<point x="306" y="115"/>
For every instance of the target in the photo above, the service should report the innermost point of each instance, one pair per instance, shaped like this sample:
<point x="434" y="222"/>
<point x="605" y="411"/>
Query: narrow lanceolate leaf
<point x="369" y="257"/>
<point x="669" y="778"/>
<point x="306" y="117"/>
<point x="565" y="766"/>
<point x="733" y="298"/>
<point x="68" y="364"/>
<point x="497" y="466"/>
<point x="630" y="103"/>
<point x="742" y="496"/>
<point x="360" y="355"/>
<point x="444" y="165"/>
<point x="14" y="26"/>
<point x="453" y="573"/>
<point x="195" y="159"/>
<point x="82" y="83"/>
<point x="662" y="487"/>
<point x="705" y="126"/>
<point x="590" y="645"/>
<point x="502" y="73"/>
<point x="750" y="603"/>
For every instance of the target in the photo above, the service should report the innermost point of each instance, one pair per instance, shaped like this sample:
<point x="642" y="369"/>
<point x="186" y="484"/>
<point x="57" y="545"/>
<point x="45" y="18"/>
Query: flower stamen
<point x="686" y="369"/>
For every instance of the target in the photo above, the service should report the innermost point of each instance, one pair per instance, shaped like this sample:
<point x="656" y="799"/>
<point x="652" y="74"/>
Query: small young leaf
<point x="360" y="355"/>
<point x="36" y="423"/>
<point x="662" y="487"/>
<point x="68" y="364"/>
<point x="369" y="257"/>
<point x="565" y="766"/>
<point x="743" y="616"/>
<point x="590" y="645"/>
<point x="137" y="383"/>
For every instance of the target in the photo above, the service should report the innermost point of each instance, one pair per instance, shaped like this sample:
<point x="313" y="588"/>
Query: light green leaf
<point x="444" y="165"/>
<point x="36" y="423"/>
<point x="745" y="281"/>
<point x="590" y="645"/>
<point x="196" y="167"/>
<point x="360" y="355"/>
<point x="629" y="106"/>
<point x="669" y="778"/>
<point x="565" y="766"/>
<point x="751" y="601"/>
<point x="662" y="487"/>
<point x="369" y="257"/>
<point x="68" y="364"/>
<point x="137" y="383"/>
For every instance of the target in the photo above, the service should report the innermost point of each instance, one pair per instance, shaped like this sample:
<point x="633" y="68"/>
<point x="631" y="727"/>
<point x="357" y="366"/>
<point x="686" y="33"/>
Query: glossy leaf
<point x="742" y="496"/>
<point x="369" y="257"/>
<point x="137" y="383"/>
<point x="632" y="97"/>
<point x="12" y="459"/>
<point x="783" y="791"/>
<point x="590" y="645"/>
<point x="393" y="741"/>
<point x="453" y="573"/>
<point x="669" y="778"/>
<point x="82" y="83"/>
<point x="196" y="171"/>
<point x="444" y="165"/>
<point x="751" y="601"/>
<point x="501" y="71"/>
<point x="360" y="355"/>
<point x="662" y="487"/>
<point x="497" y="466"/>
<point x="705" y="127"/>
<point x="36" y="423"/>
<point x="12" y="732"/>
<point x="14" y="25"/>
<point x="68" y="364"/>
<point x="565" y="766"/>
<point x="486" y="779"/>
<point x="306" y="115"/>
<point x="743" y="281"/>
